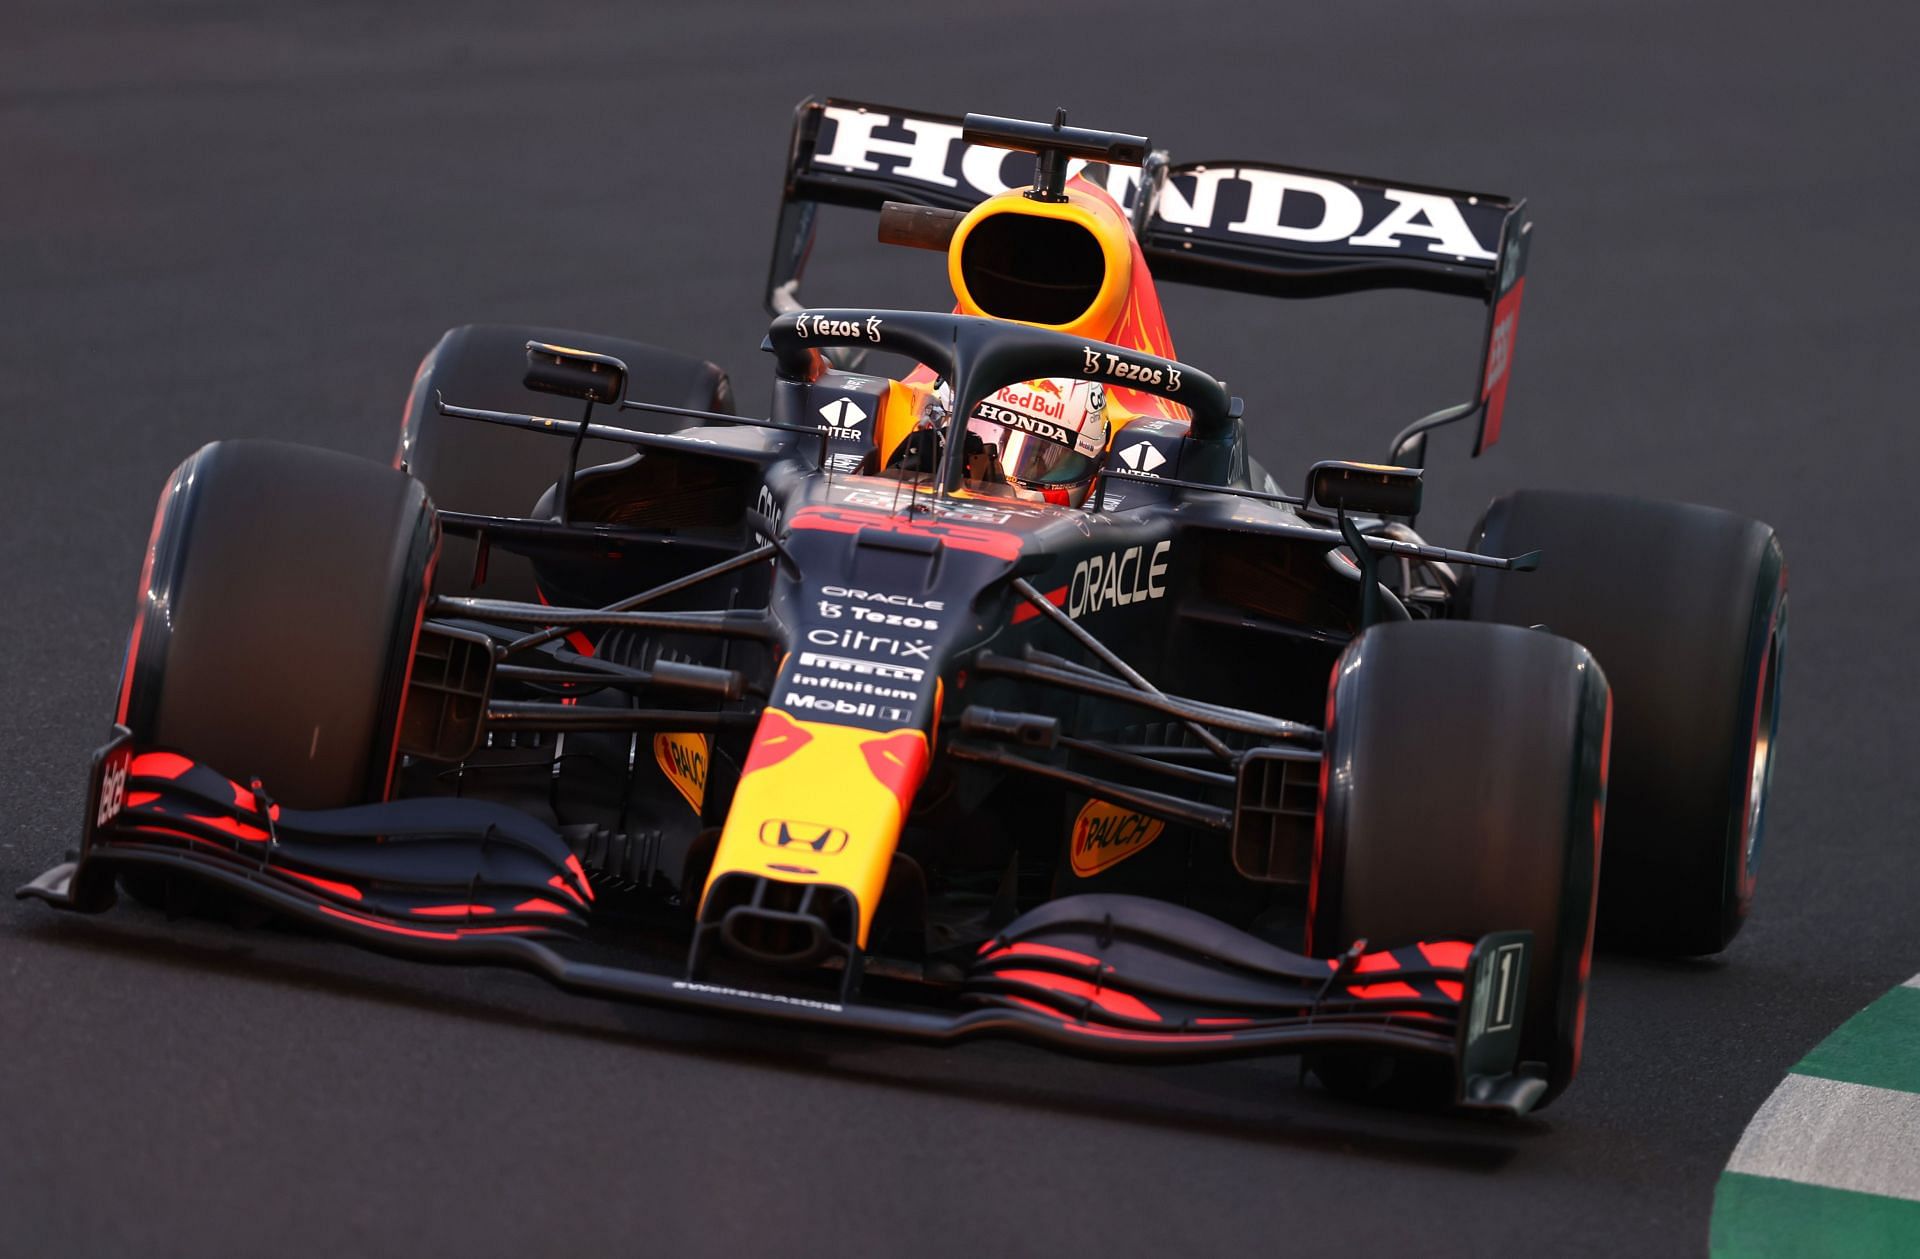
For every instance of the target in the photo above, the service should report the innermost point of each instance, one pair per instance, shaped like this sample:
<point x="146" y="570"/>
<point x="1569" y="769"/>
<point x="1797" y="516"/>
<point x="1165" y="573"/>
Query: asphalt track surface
<point x="220" y="219"/>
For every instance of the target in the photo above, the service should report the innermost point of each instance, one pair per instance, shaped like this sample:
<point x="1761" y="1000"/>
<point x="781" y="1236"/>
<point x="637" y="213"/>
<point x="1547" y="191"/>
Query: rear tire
<point x="471" y="466"/>
<point x="1686" y="609"/>
<point x="284" y="589"/>
<point x="1463" y="790"/>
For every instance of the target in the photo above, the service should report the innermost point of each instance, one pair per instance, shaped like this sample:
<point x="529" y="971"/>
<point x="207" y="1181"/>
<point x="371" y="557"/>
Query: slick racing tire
<point x="283" y="591"/>
<point x="1463" y="786"/>
<point x="472" y="466"/>
<point x="1685" y="607"/>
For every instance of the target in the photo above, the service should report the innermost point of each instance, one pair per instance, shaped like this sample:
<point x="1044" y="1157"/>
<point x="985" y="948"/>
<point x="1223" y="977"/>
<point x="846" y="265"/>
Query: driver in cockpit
<point x="1042" y="441"/>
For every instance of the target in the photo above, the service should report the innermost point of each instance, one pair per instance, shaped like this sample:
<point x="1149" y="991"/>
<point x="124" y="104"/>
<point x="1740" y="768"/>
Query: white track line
<point x="1843" y="1136"/>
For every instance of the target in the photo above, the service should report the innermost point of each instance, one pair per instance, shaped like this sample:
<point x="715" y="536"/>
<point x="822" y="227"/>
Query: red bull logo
<point x="1028" y="398"/>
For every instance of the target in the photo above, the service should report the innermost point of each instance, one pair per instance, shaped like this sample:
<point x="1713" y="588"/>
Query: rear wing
<point x="1250" y="226"/>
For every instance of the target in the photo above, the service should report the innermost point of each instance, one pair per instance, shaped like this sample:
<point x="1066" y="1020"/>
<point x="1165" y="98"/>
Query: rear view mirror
<point x="1372" y="489"/>
<point x="575" y="373"/>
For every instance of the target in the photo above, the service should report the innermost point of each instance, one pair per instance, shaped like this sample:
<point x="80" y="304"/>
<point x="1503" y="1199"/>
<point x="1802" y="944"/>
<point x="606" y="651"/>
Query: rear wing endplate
<point x="1250" y="226"/>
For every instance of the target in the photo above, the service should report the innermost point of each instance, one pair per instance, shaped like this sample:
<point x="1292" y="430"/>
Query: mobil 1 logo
<point x="820" y="684"/>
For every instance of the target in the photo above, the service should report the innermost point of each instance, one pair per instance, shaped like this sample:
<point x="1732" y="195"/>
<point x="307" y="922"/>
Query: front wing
<point x="1116" y="977"/>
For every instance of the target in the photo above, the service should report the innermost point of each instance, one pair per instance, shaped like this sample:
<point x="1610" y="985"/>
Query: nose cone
<point x="821" y="804"/>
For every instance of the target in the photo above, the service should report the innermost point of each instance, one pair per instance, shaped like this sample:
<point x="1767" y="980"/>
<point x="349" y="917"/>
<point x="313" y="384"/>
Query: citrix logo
<point x="874" y="644"/>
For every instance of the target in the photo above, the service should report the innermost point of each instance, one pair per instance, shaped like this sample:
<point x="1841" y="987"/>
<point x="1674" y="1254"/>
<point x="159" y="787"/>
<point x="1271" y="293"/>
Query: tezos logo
<point x="901" y="619"/>
<point x="821" y="326"/>
<point x="1129" y="372"/>
<point x="1118" y="578"/>
<point x="1104" y="835"/>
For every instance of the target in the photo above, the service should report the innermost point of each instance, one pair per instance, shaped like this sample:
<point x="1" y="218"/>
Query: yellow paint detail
<point x="683" y="758"/>
<point x="842" y="823"/>
<point x="1097" y="216"/>
<point x="898" y="414"/>
<point x="1104" y="835"/>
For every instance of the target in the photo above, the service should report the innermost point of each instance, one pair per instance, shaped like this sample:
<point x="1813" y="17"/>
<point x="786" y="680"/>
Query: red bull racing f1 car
<point x="987" y="685"/>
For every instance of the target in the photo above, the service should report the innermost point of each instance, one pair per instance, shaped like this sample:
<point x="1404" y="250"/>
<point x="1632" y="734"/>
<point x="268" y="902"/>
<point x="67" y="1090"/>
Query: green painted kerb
<point x="1878" y="1046"/>
<point x="1758" y="1215"/>
<point x="1819" y="1145"/>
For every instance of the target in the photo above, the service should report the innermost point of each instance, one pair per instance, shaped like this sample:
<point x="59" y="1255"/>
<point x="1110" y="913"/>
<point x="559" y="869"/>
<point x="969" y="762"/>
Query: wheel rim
<point x="1766" y="722"/>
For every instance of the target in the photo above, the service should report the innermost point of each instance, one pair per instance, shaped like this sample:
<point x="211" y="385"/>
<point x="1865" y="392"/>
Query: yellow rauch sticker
<point x="683" y="759"/>
<point x="1105" y="835"/>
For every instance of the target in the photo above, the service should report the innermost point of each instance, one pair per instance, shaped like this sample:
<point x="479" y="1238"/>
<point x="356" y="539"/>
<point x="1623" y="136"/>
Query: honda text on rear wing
<point x="1251" y="226"/>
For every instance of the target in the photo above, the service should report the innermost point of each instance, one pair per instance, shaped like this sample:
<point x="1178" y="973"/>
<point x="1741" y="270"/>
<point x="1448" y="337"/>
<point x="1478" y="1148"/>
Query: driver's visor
<point x="1029" y="457"/>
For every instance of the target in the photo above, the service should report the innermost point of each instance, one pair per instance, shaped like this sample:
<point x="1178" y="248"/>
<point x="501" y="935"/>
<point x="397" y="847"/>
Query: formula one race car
<point x="1002" y="694"/>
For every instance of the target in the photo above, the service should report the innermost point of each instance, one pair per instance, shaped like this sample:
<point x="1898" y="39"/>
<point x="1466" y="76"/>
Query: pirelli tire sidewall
<point x="1685" y="607"/>
<point x="489" y="469"/>
<point x="1464" y="793"/>
<point x="278" y="616"/>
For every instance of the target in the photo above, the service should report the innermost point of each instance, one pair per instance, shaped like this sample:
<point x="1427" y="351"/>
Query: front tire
<point x="1463" y="786"/>
<point x="284" y="588"/>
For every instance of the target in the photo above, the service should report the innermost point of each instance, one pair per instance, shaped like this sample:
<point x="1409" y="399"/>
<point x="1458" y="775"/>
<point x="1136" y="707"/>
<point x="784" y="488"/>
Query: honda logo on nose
<point x="781" y="833"/>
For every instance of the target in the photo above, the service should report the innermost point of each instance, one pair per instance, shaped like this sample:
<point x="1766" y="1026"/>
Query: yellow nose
<point x="822" y="803"/>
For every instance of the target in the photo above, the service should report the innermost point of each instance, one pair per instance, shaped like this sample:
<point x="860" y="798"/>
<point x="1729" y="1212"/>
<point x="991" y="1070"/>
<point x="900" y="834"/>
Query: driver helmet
<point x="1043" y="439"/>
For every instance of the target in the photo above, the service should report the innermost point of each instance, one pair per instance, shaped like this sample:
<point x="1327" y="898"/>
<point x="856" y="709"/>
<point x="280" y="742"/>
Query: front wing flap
<point x="442" y="866"/>
<point x="1129" y="968"/>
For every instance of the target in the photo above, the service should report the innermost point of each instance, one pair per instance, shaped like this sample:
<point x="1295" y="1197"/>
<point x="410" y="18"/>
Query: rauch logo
<point x="1105" y="835"/>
